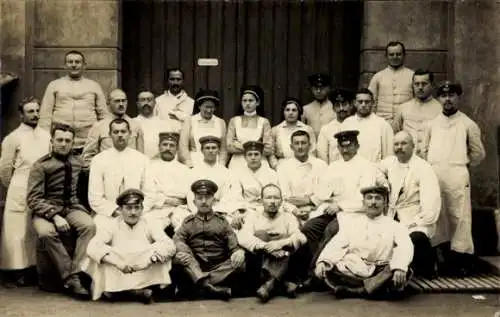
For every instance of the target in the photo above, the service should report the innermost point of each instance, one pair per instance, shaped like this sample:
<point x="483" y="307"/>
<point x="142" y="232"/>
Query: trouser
<point x="424" y="255"/>
<point x="455" y="220"/>
<point x="84" y="228"/>
<point x="379" y="282"/>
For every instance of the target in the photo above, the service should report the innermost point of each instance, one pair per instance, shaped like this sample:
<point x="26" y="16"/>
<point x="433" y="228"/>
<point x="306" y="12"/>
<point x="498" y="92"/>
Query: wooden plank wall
<point x="270" y="43"/>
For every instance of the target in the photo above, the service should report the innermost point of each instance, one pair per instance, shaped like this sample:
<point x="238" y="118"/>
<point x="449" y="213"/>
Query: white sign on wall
<point x="208" y="62"/>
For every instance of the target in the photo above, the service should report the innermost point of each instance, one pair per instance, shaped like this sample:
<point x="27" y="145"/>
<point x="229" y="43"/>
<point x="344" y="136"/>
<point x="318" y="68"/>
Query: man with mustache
<point x="415" y="200"/>
<point x="392" y="86"/>
<point x="370" y="256"/>
<point x="270" y="235"/>
<point x="453" y="144"/>
<point x="167" y="185"/>
<point x="52" y="199"/>
<point x="99" y="138"/>
<point x="131" y="256"/>
<point x="151" y="125"/>
<point x="74" y="100"/>
<point x="299" y="176"/>
<point x="20" y="149"/>
<point x="326" y="147"/>
<point x="414" y="115"/>
<point x="375" y="133"/>
<point x="174" y="104"/>
<point x="320" y="111"/>
<point x="114" y="170"/>
<point x="207" y="247"/>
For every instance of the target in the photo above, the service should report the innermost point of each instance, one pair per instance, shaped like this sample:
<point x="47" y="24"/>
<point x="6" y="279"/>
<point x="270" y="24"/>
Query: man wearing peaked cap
<point x="209" y="139"/>
<point x="347" y="137"/>
<point x="166" y="185"/>
<point x="326" y="147"/>
<point x="253" y="146"/>
<point x="207" y="247"/>
<point x="383" y="238"/>
<point x="203" y="123"/>
<point x="320" y="111"/>
<point x="453" y="144"/>
<point x="110" y="259"/>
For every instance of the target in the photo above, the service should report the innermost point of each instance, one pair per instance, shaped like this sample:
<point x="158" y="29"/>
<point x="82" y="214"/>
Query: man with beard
<point x="20" y="149"/>
<point x="371" y="255"/>
<point x="269" y="236"/>
<point x="99" y="138"/>
<point x="174" y="104"/>
<point x="375" y="134"/>
<point x="392" y="86"/>
<point x="74" y="100"/>
<point x="453" y="144"/>
<point x="167" y="185"/>
<point x="415" y="200"/>
<point x="227" y="198"/>
<point x="207" y="247"/>
<point x="131" y="255"/>
<point x="114" y="170"/>
<point x="320" y="111"/>
<point x="52" y="187"/>
<point x="151" y="125"/>
<point x="252" y="179"/>
<point x="326" y="147"/>
<point x="414" y="115"/>
<point x="299" y="176"/>
<point x="338" y="199"/>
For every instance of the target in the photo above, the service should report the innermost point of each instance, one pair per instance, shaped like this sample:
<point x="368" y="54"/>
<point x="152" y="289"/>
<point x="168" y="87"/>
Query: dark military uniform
<point x="52" y="190"/>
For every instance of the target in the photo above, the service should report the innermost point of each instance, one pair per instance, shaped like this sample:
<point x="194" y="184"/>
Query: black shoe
<point x="144" y="295"/>
<point x="75" y="288"/>
<point x="290" y="289"/>
<point x="264" y="292"/>
<point x="348" y="292"/>
<point x="223" y="293"/>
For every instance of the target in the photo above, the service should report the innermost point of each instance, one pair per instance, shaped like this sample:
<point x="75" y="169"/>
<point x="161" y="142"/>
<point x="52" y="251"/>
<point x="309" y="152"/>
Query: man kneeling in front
<point x="369" y="256"/>
<point x="129" y="255"/>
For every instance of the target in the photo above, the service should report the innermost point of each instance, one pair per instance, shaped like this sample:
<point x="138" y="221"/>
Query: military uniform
<point x="318" y="114"/>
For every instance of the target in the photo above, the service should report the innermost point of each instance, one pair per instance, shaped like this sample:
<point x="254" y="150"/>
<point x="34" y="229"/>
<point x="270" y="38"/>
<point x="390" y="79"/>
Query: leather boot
<point x="264" y="292"/>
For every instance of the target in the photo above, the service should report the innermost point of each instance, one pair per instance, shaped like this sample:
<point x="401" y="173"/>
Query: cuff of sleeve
<point x="398" y="266"/>
<point x="315" y="200"/>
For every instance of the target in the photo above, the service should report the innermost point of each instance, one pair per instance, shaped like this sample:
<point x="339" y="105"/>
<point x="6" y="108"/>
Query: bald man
<point x="415" y="199"/>
<point x="99" y="138"/>
<point x="152" y="125"/>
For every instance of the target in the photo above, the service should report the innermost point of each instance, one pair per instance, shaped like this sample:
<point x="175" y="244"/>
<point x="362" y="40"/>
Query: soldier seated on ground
<point x="207" y="248"/>
<point x="370" y="255"/>
<point x="270" y="235"/>
<point x="131" y="254"/>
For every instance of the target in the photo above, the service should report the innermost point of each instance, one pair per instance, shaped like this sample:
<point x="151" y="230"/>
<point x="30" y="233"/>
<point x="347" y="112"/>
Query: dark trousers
<point x="424" y="255"/>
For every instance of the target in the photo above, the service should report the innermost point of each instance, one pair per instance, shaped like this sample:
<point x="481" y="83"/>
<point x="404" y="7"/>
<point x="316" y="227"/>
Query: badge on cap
<point x="347" y="137"/>
<point x="253" y="146"/>
<point x="382" y="190"/>
<point x="172" y="136"/>
<point x="204" y="187"/>
<point x="320" y="80"/>
<point x="209" y="139"/>
<point x="130" y="196"/>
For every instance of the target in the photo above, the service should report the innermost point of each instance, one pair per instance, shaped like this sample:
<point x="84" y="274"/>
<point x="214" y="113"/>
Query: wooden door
<point x="275" y="44"/>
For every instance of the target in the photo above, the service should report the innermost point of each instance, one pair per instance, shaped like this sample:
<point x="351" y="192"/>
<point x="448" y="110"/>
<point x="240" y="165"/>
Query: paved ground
<point x="32" y="302"/>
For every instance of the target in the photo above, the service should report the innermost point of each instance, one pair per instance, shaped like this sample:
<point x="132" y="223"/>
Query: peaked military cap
<point x="130" y="196"/>
<point x="253" y="146"/>
<point x="341" y="95"/>
<point x="448" y="86"/>
<point x="172" y="136"/>
<point x="204" y="187"/>
<point x="320" y="80"/>
<point x="209" y="139"/>
<point x="346" y="137"/>
<point x="382" y="190"/>
<point x="203" y="95"/>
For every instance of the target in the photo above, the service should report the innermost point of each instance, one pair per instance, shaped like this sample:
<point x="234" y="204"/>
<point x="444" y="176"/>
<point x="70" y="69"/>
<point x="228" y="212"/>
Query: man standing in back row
<point x="320" y="111"/>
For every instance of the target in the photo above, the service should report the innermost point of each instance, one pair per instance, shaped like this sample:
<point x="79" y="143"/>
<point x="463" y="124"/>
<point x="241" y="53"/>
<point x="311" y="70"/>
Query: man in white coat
<point x="114" y="170"/>
<point x="167" y="185"/>
<point x="415" y="200"/>
<point x="174" y="104"/>
<point x="453" y="144"/>
<point x="370" y="256"/>
<point x="20" y="149"/>
<point x="131" y="255"/>
<point x="375" y="134"/>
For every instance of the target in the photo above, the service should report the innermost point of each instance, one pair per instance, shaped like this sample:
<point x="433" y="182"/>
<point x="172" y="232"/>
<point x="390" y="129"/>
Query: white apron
<point x="198" y="131"/>
<point x="17" y="247"/>
<point x="237" y="161"/>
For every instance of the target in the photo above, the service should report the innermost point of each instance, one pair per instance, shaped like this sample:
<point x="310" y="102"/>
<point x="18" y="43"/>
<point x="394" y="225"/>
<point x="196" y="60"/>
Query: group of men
<point x="390" y="183"/>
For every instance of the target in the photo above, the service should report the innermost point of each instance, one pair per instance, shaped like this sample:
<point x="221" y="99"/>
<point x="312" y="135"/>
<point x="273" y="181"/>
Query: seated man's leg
<point x="330" y="231"/>
<point x="85" y="229"/>
<point x="49" y="238"/>
<point x="381" y="284"/>
<point x="424" y="257"/>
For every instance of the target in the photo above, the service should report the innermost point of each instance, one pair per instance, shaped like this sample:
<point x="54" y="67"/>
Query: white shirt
<point x="151" y="128"/>
<point x="112" y="172"/>
<point x="178" y="107"/>
<point x="326" y="148"/>
<point x="298" y="178"/>
<point x="391" y="87"/>
<point x="375" y="136"/>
